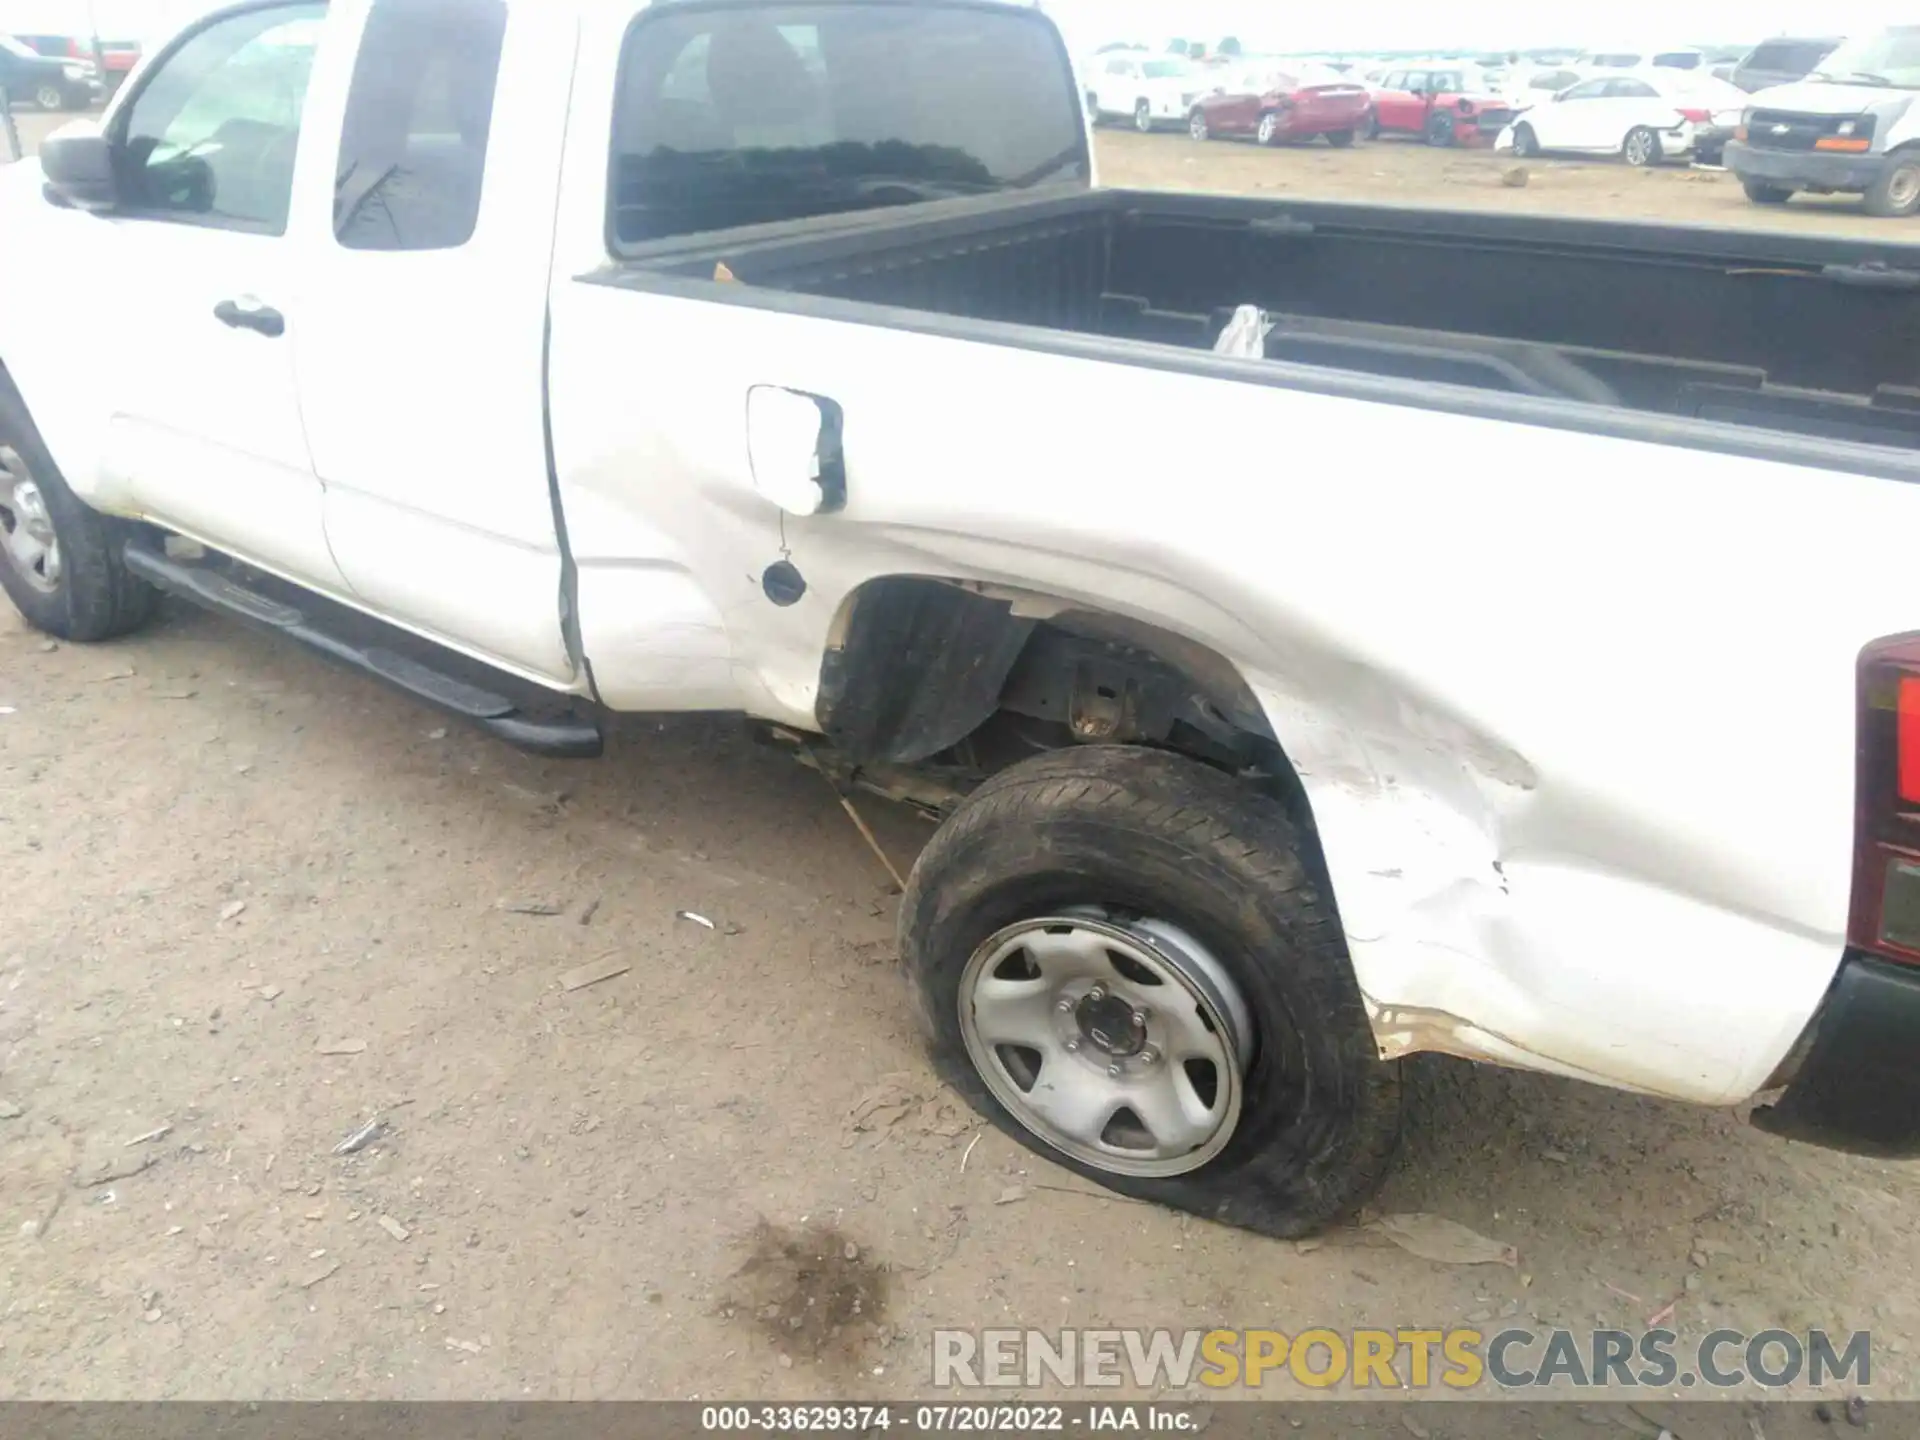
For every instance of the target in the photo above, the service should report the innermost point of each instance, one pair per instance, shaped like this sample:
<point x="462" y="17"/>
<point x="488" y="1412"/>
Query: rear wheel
<point x="1526" y="144"/>
<point x="1340" y="139"/>
<point x="1896" y="193"/>
<point x="1641" y="148"/>
<point x="1123" y="962"/>
<point x="1439" y="131"/>
<point x="1269" y="131"/>
<point x="1143" y="117"/>
<point x="60" y="560"/>
<point x="1197" y="126"/>
<point x="1761" y="193"/>
<point x="1371" y="127"/>
<point x="50" y="97"/>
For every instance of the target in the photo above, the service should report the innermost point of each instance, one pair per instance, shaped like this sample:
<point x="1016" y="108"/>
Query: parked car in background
<point x="1149" y="90"/>
<point x="1273" y="104"/>
<point x="1850" y="128"/>
<point x="1682" y="57"/>
<point x="116" y="57"/>
<point x="1443" y="104"/>
<point x="1781" y="62"/>
<point x="1644" y="118"/>
<point x="1536" y="85"/>
<point x="30" y="78"/>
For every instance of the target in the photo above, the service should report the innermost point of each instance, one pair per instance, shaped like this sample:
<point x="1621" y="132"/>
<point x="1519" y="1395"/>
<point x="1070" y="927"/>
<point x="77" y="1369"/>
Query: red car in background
<point x="1444" y="104"/>
<point x="1274" y="104"/>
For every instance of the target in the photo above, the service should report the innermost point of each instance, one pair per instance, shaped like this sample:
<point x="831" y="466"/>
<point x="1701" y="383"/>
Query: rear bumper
<point x="1858" y="1087"/>
<point x="1804" y="169"/>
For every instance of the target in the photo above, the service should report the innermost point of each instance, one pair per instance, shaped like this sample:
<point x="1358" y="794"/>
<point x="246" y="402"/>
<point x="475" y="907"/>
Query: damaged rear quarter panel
<point x="1574" y="714"/>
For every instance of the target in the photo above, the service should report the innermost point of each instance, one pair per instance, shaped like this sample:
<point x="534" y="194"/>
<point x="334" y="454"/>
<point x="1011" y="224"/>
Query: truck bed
<point x="1725" y="339"/>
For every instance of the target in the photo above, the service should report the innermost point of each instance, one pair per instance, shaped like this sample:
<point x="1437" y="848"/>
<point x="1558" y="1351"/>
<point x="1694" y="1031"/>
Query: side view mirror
<point x="77" y="161"/>
<point x="793" y="447"/>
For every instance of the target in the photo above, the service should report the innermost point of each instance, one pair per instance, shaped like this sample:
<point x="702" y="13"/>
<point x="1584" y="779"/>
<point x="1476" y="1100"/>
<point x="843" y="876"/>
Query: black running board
<point x="566" y="738"/>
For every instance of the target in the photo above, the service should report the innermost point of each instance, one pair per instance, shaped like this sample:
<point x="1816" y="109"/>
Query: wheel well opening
<point x="931" y="686"/>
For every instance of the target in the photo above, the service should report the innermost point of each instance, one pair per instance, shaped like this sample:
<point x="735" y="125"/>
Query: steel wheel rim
<point x="1122" y="1044"/>
<point x="27" y="537"/>
<point x="1903" y="188"/>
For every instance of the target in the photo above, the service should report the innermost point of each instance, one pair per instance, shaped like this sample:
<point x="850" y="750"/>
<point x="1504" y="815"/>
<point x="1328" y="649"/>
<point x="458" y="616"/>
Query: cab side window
<point x="413" y="148"/>
<point x="211" y="137"/>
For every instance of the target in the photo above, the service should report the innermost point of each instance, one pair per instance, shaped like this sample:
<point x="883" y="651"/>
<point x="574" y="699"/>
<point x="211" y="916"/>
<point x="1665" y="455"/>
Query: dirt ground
<point x="249" y="904"/>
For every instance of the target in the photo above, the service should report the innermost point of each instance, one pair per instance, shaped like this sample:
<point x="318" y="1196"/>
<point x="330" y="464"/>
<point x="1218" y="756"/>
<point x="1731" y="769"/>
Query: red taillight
<point x="1907" y="736"/>
<point x="1885" y="918"/>
<point x="1698" y="117"/>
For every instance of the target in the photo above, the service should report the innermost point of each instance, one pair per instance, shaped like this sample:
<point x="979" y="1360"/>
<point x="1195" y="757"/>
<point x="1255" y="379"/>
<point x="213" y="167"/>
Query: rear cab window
<point x="413" y="147"/>
<point x="729" y="115"/>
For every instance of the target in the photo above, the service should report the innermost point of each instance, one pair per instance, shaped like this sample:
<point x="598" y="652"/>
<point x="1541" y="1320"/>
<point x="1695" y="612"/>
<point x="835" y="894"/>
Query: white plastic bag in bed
<point x="1246" y="334"/>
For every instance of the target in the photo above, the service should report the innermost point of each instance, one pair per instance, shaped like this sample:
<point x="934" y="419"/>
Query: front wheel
<point x="1143" y="117"/>
<point x="1896" y="193"/>
<point x="1269" y="131"/>
<point x="1761" y="193"/>
<point x="60" y="560"/>
<point x="50" y="97"/>
<point x="1340" y="139"/>
<point x="1123" y="961"/>
<point x="1526" y="144"/>
<point x="1197" y="126"/>
<point x="1440" y="131"/>
<point x="1372" y="125"/>
<point x="1641" y="148"/>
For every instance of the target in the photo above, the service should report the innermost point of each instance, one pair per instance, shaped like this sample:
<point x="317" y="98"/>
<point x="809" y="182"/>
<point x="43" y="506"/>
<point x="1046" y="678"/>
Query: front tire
<point x="1440" y="132"/>
<point x="1761" y="193"/>
<point x="1641" y="148"/>
<point x="1197" y="126"/>
<point x="50" y="98"/>
<point x="60" y="559"/>
<point x="1143" y="118"/>
<point x="1526" y="144"/>
<point x="1896" y="193"/>
<point x="1124" y="960"/>
<point x="1340" y="139"/>
<point x="1269" y="131"/>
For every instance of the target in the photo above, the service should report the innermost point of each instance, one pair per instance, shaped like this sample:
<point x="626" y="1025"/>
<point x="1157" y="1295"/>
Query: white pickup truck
<point x="552" y="359"/>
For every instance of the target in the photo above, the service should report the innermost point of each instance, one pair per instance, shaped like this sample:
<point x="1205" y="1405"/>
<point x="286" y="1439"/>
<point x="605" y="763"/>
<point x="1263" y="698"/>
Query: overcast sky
<point x="1491" y="24"/>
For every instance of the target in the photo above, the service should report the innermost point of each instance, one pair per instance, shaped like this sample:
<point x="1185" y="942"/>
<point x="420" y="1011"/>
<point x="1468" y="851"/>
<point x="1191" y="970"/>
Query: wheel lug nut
<point x="1073" y="1045"/>
<point x="1139" y="1017"/>
<point x="1113" y="1070"/>
<point x="1098" y="992"/>
<point x="1149" y="1056"/>
<point x="1065" y="1006"/>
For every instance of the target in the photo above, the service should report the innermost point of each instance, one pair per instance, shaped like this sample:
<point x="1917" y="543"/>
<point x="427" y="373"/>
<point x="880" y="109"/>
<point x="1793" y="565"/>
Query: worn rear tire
<point x="1144" y="833"/>
<point x="93" y="595"/>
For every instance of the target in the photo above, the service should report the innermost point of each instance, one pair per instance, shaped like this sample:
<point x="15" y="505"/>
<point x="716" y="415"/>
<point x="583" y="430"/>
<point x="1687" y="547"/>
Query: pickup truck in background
<point x="550" y="360"/>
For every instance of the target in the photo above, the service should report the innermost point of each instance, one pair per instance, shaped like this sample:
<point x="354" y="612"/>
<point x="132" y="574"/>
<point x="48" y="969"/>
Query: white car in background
<point x="1643" y="117"/>
<point x="1537" y="84"/>
<point x="1149" y="90"/>
<point x="1678" y="57"/>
